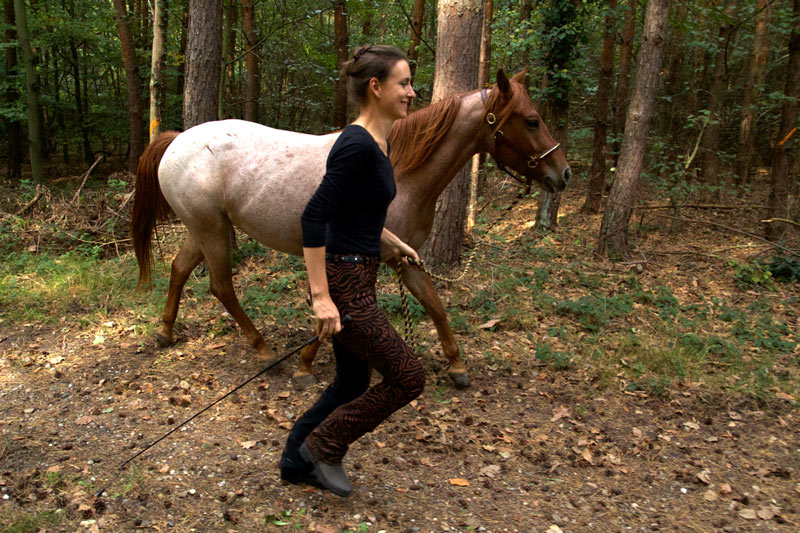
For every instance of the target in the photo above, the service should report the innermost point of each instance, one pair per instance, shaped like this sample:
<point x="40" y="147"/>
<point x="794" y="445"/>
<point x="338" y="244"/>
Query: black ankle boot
<point x="327" y="476"/>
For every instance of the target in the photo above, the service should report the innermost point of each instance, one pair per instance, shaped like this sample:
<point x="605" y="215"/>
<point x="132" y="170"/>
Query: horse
<point x="235" y="173"/>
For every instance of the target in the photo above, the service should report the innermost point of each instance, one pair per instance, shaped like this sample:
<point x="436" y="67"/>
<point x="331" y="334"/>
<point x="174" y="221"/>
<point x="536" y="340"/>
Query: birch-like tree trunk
<point x="613" y="241"/>
<point x="157" y="61"/>
<point x="484" y="68"/>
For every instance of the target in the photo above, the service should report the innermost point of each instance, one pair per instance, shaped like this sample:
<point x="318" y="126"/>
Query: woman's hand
<point x="400" y="250"/>
<point x="328" y="321"/>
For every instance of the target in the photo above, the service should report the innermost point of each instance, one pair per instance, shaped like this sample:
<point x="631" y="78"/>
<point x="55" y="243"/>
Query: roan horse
<point x="259" y="179"/>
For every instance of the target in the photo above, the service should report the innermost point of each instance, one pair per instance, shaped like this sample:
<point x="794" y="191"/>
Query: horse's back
<point x="256" y="177"/>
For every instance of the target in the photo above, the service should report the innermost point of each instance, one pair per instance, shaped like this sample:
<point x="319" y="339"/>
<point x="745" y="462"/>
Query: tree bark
<point x="525" y="11"/>
<point x="157" y="61"/>
<point x="558" y="57"/>
<point x="366" y="25"/>
<point x="341" y="43"/>
<point x="787" y="141"/>
<point x="711" y="135"/>
<point x="203" y="62"/>
<point x="756" y="72"/>
<point x="181" y="82"/>
<point x="252" y="95"/>
<point x="458" y="53"/>
<point x="417" y="17"/>
<point x="134" y="82"/>
<point x="597" y="175"/>
<point x="32" y="93"/>
<point x="619" y="108"/>
<point x="14" y="126"/>
<point x="613" y="241"/>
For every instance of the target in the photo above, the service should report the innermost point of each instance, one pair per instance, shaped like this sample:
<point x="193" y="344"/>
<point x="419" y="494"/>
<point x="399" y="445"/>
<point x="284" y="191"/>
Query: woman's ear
<point x="375" y="87"/>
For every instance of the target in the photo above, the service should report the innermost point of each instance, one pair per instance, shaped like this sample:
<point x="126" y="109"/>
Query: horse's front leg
<point x="303" y="376"/>
<point x="421" y="286"/>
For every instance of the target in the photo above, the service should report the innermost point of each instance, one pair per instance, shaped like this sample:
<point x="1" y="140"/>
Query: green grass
<point x="34" y="522"/>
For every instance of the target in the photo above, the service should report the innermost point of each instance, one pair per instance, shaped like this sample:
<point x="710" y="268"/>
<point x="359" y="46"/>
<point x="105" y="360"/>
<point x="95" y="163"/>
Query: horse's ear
<point x="502" y="83"/>
<point x="520" y="76"/>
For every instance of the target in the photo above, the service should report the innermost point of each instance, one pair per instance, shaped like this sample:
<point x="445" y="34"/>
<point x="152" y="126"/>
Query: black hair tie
<point x="360" y="53"/>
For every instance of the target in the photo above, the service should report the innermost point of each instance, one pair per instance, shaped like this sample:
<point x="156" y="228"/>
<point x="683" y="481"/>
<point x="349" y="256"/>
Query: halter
<point x="499" y="136"/>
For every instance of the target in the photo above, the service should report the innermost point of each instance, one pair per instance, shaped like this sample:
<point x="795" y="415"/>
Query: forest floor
<point x="659" y="394"/>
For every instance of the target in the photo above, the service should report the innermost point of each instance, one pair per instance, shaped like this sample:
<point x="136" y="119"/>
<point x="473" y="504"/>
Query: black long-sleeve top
<point x="348" y="210"/>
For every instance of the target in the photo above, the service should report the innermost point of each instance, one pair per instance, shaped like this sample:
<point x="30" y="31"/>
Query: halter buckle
<point x="533" y="162"/>
<point x="490" y="118"/>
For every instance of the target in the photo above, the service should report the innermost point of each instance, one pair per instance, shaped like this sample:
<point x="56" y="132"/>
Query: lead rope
<point x="408" y="326"/>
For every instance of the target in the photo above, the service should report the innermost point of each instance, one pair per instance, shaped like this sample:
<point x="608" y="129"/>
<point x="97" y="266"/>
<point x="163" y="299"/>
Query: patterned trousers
<point x="348" y="408"/>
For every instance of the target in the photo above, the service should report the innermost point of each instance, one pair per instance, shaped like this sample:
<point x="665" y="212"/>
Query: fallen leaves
<point x="82" y="421"/>
<point x="562" y="411"/>
<point x="459" y="482"/>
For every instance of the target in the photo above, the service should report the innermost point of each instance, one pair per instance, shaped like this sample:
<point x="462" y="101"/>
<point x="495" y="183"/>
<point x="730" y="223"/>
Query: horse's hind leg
<point x="185" y="262"/>
<point x="421" y="286"/>
<point x="216" y="249"/>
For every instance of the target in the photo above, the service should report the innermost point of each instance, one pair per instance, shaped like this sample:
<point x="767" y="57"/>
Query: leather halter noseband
<point x="499" y="136"/>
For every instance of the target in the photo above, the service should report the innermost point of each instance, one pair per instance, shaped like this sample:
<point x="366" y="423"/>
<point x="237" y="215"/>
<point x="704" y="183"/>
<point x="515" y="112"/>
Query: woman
<point x="342" y="238"/>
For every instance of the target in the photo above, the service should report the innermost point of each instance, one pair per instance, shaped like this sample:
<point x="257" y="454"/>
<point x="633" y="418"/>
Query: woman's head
<point x="370" y="61"/>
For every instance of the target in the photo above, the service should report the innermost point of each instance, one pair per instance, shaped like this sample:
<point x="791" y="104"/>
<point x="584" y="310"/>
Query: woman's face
<point x="395" y="92"/>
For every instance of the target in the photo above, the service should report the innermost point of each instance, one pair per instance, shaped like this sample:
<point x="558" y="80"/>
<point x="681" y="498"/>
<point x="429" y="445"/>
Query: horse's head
<point x="517" y="136"/>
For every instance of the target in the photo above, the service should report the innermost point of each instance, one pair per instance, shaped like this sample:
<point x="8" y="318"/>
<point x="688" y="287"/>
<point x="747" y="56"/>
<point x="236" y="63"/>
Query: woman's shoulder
<point x="354" y="140"/>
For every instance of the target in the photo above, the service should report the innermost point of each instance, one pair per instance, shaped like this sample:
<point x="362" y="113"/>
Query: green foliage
<point x="595" y="312"/>
<point x="784" y="268"/>
<point x="751" y="275"/>
<point x="31" y="523"/>
<point x="558" y="359"/>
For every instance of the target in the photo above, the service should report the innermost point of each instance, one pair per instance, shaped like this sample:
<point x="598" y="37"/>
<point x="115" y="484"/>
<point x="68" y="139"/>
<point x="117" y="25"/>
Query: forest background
<point x="689" y="293"/>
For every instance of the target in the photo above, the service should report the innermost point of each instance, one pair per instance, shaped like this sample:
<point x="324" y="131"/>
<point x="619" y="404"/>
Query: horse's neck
<point x="463" y="141"/>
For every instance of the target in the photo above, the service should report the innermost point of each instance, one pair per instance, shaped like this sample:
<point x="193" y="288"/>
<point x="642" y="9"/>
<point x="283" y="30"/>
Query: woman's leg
<point x="350" y="382"/>
<point x="371" y="336"/>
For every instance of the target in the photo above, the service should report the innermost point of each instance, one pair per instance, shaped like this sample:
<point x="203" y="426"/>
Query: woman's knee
<point x="414" y="383"/>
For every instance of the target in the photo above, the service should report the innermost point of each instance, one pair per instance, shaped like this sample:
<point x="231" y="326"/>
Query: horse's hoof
<point x="460" y="379"/>
<point x="163" y="341"/>
<point x="304" y="381"/>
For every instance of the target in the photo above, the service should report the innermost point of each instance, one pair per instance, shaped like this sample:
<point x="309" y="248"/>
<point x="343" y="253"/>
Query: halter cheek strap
<point x="499" y="136"/>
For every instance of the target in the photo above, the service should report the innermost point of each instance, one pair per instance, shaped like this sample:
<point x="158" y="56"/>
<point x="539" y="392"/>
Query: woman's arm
<point x="328" y="322"/>
<point x="400" y="250"/>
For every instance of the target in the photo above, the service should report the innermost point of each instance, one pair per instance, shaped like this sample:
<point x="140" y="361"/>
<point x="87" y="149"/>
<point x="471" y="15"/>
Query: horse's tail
<point x="149" y="204"/>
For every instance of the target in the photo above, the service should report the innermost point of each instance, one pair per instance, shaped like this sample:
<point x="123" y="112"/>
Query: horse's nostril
<point x="567" y="174"/>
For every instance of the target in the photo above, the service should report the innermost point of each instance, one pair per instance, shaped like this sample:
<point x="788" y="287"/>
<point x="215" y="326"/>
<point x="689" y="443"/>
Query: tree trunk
<point x="181" y="81"/>
<point x="134" y="82"/>
<point x="756" y="72"/>
<point x="787" y="141"/>
<point x="673" y="110"/>
<point x="341" y="43"/>
<point x="252" y="95"/>
<point x="458" y="53"/>
<point x="613" y="241"/>
<point x="203" y="62"/>
<point x="619" y="108"/>
<point x="157" y="93"/>
<point x="11" y="96"/>
<point x="597" y="176"/>
<point x="484" y="68"/>
<point x="525" y="11"/>
<point x="366" y="25"/>
<point x="32" y="93"/>
<point x="558" y="58"/>
<point x="711" y="135"/>
<point x="417" y="17"/>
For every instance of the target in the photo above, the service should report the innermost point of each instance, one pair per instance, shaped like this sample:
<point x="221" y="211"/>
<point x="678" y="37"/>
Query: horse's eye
<point x="532" y="123"/>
